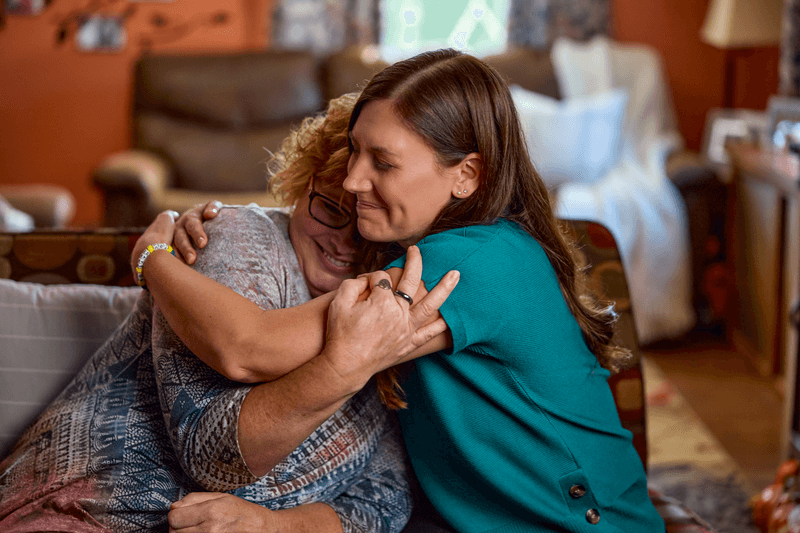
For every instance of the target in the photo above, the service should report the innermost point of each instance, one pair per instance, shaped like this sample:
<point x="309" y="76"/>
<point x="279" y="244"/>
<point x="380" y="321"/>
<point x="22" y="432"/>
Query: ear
<point x="468" y="177"/>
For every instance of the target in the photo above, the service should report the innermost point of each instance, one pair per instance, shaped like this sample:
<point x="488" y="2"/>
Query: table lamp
<point x="735" y="25"/>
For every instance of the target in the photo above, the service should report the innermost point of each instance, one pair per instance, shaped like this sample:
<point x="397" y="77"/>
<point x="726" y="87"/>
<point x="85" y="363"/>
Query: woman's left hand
<point x="367" y="335"/>
<point x="212" y="512"/>
<point x="161" y="229"/>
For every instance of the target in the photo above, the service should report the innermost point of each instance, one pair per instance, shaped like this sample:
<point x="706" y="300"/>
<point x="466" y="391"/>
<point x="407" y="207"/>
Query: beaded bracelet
<point x="147" y="251"/>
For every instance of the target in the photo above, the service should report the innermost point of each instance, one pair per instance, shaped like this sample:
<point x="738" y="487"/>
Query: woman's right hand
<point x="189" y="230"/>
<point x="367" y="335"/>
<point x="200" y="512"/>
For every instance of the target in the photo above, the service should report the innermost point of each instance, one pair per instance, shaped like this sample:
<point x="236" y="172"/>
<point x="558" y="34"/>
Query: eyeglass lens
<point x="328" y="212"/>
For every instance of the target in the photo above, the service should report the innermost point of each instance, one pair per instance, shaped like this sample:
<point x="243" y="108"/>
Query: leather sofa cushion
<point x="350" y="70"/>
<point x="232" y="91"/>
<point x="529" y="68"/>
<point x="211" y="159"/>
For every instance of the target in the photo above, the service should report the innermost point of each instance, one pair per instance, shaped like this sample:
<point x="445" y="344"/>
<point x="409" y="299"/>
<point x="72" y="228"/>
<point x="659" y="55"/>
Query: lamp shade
<point x="742" y="23"/>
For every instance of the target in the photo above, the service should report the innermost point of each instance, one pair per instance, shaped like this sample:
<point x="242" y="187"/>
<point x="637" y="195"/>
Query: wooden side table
<point x="765" y="260"/>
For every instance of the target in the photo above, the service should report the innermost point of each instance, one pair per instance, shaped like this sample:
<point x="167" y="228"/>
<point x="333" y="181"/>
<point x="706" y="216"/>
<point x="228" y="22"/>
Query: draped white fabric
<point x="635" y="199"/>
<point x="12" y="219"/>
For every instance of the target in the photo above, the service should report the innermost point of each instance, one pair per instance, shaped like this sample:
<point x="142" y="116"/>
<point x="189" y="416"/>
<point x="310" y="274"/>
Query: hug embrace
<point x="413" y="329"/>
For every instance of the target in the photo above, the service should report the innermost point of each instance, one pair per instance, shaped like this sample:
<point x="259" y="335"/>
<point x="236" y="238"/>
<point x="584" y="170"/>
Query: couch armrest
<point x="51" y="206"/>
<point x="132" y="183"/>
<point x="686" y="167"/>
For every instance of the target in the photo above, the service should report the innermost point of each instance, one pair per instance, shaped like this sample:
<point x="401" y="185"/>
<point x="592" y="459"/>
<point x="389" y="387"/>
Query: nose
<point x="357" y="179"/>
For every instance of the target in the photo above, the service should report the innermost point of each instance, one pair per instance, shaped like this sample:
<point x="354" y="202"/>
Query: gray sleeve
<point x="380" y="499"/>
<point x="200" y="406"/>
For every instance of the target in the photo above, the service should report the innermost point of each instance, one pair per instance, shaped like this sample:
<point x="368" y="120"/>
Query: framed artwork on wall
<point x="101" y="33"/>
<point x="784" y="122"/>
<point x="25" y="7"/>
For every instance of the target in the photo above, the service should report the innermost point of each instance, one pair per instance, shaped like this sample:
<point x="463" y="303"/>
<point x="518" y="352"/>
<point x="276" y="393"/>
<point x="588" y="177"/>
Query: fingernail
<point x="201" y="240"/>
<point x="214" y="209"/>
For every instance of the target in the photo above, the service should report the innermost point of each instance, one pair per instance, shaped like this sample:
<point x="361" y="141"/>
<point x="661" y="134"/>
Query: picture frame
<point x="101" y="33"/>
<point x="784" y="122"/>
<point x="25" y="7"/>
<point x="724" y="125"/>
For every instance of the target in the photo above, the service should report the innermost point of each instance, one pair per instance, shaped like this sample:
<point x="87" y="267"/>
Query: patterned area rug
<point x="688" y="463"/>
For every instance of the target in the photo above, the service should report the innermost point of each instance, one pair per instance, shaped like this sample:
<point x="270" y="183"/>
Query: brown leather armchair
<point x="204" y="126"/>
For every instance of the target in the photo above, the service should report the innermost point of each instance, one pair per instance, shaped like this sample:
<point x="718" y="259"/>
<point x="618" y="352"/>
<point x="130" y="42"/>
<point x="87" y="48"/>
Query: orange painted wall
<point x="62" y="110"/>
<point x="695" y="69"/>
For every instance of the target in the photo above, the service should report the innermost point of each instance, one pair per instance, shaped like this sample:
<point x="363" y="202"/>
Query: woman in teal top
<point x="510" y="423"/>
<point x="515" y="427"/>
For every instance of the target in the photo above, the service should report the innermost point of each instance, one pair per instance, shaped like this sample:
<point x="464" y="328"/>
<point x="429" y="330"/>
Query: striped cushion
<point x="46" y="333"/>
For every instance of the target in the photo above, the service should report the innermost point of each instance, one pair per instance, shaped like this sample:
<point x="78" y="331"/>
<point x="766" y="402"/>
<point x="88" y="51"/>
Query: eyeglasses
<point x="327" y="211"/>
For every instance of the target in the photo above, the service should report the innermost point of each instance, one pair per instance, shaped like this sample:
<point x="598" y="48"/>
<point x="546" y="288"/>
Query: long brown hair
<point x="318" y="149"/>
<point x="460" y="105"/>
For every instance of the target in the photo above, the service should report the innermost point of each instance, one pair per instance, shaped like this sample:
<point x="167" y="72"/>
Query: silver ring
<point x="384" y="284"/>
<point x="404" y="296"/>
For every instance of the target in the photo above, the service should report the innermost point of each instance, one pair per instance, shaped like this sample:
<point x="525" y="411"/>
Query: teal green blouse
<point x="515" y="429"/>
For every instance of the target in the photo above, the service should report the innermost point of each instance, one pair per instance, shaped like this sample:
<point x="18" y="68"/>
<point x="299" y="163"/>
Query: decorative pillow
<point x="46" y="334"/>
<point x="573" y="140"/>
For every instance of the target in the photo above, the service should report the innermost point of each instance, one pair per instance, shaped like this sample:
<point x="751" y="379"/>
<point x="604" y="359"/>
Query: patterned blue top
<point x="145" y="422"/>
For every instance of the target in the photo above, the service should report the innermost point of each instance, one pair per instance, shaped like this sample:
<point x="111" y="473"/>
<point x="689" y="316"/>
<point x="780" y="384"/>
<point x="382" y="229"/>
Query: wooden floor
<point x="741" y="408"/>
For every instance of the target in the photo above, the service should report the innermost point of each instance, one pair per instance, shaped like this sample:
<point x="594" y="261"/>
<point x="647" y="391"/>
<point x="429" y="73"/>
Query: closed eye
<point x="382" y="166"/>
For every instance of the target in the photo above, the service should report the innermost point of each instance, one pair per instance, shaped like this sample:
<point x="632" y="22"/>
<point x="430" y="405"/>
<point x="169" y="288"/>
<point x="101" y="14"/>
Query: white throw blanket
<point x="12" y="219"/>
<point x="635" y="199"/>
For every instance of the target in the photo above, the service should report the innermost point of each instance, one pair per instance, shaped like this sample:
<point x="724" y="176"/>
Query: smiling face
<point x="397" y="179"/>
<point x="326" y="255"/>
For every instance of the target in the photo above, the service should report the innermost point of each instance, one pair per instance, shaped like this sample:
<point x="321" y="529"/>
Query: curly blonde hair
<point x="319" y="149"/>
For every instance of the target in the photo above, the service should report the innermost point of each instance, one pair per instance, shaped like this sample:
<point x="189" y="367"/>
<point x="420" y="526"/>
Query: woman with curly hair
<point x="145" y="422"/>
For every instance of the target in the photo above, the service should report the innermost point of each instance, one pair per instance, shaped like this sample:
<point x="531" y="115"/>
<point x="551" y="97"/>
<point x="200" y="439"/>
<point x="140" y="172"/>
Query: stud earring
<point x="464" y="191"/>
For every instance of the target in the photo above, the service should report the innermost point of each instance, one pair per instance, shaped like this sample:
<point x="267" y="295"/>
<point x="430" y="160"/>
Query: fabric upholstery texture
<point x="101" y="258"/>
<point x="54" y="310"/>
<point x="45" y="333"/>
